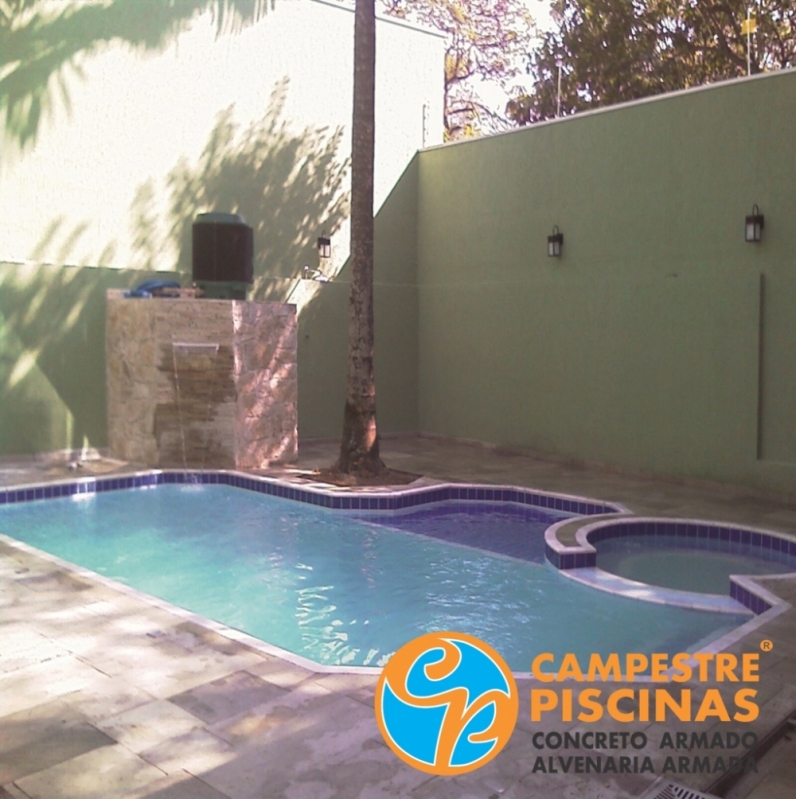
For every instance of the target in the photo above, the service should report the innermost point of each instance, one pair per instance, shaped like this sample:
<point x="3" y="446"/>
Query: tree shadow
<point x="58" y="245"/>
<point x="43" y="46"/>
<point x="323" y="326"/>
<point x="52" y="349"/>
<point x="289" y="187"/>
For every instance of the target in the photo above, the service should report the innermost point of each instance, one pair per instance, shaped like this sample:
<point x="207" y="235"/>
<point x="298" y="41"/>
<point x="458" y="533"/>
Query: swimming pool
<point x="758" y="547"/>
<point x="670" y="563"/>
<point x="350" y="588"/>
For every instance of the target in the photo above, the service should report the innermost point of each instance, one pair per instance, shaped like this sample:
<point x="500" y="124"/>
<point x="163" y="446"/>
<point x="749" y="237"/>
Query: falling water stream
<point x="175" y="345"/>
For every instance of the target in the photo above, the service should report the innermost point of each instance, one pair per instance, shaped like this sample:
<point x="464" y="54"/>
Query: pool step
<point x="570" y="547"/>
<point x="566" y="532"/>
<point x="595" y="577"/>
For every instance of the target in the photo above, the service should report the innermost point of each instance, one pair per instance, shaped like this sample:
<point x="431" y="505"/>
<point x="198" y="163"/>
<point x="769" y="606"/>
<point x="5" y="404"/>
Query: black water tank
<point x="223" y="249"/>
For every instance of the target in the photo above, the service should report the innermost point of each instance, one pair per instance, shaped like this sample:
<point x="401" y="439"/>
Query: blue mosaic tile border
<point x="85" y="486"/>
<point x="748" y="599"/>
<point x="683" y="530"/>
<point x="336" y="501"/>
<point x="570" y="560"/>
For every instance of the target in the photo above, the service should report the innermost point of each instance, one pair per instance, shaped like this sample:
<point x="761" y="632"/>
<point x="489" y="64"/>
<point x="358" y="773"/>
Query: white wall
<point x="133" y="116"/>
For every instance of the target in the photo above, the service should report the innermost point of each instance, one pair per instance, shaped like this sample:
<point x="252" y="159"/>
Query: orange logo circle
<point x="446" y="703"/>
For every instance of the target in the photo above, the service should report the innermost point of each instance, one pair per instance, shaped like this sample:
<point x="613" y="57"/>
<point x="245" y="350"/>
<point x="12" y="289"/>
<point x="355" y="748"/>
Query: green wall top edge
<point x="27" y="263"/>
<point x="692" y="90"/>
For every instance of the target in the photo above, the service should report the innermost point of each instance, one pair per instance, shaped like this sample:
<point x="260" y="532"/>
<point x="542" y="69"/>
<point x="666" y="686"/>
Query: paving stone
<point x="280" y="672"/>
<point x="115" y="605"/>
<point x="12" y="792"/>
<point x="282" y="716"/>
<point x="19" y="638"/>
<point x="345" y="764"/>
<point x="21" y="646"/>
<point x="147" y="725"/>
<point x="348" y="683"/>
<point x="72" y="615"/>
<point x="163" y="674"/>
<point x="344" y="726"/>
<point x="747" y="785"/>
<point x="107" y="698"/>
<point x="622" y="786"/>
<point x="309" y="790"/>
<point x="21" y="729"/>
<point x="108" y="773"/>
<point x="192" y="636"/>
<point x="775" y="788"/>
<point x="56" y="580"/>
<point x="507" y="768"/>
<point x="26" y="605"/>
<point x="565" y="787"/>
<point x="90" y="645"/>
<point x="27" y="687"/>
<point x="317" y="739"/>
<point x="52" y="748"/>
<point x="178" y="786"/>
<point x="445" y="788"/>
<point x="365" y="694"/>
<point x="196" y="752"/>
<point x="226" y="696"/>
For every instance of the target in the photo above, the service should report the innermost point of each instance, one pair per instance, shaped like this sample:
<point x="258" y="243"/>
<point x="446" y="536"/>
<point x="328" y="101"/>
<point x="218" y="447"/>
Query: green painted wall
<point x="640" y="347"/>
<point x="104" y="187"/>
<point x="660" y="341"/>
<point x="52" y="342"/>
<point x="323" y="328"/>
<point x="52" y="356"/>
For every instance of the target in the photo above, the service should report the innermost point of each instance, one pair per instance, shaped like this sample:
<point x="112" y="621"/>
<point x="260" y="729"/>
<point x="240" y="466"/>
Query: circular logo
<point x="446" y="703"/>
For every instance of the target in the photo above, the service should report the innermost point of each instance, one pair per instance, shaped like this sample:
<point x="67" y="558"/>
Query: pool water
<point x="674" y="563"/>
<point x="349" y="589"/>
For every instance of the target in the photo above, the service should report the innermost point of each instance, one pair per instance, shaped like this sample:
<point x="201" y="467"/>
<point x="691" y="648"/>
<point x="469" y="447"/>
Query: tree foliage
<point x="610" y="51"/>
<point x="486" y="41"/>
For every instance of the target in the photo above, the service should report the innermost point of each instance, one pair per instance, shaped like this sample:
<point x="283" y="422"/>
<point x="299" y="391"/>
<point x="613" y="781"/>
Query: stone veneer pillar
<point x="201" y="383"/>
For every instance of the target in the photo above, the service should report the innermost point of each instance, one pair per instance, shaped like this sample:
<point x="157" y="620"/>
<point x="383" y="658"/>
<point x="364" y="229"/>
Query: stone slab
<point x="148" y="725"/>
<point x="201" y="383"/>
<point x="108" y="773"/>
<point x="226" y="696"/>
<point x="53" y="747"/>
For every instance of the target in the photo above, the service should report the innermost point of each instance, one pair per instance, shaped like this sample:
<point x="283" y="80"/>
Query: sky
<point x="541" y="12"/>
<point x="493" y="94"/>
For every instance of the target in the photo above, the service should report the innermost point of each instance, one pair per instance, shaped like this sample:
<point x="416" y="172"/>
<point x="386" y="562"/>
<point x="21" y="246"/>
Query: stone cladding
<point x="201" y="383"/>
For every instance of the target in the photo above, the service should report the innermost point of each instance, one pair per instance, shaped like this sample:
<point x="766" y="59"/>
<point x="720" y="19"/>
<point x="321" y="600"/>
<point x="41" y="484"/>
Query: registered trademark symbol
<point x="766" y="645"/>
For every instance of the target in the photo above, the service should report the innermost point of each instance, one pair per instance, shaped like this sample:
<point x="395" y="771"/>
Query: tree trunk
<point x="359" y="448"/>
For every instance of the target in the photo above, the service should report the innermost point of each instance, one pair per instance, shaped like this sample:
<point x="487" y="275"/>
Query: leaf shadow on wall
<point x="290" y="187"/>
<point x="43" y="46"/>
<point x="52" y="329"/>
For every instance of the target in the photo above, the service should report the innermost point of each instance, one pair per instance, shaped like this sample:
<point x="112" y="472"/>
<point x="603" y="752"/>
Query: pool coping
<point x="188" y="615"/>
<point x="744" y="591"/>
<point x="601" y="580"/>
<point x="320" y="494"/>
<point x="400" y="498"/>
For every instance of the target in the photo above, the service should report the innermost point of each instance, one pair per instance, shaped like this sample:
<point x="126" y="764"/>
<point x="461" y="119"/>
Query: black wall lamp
<point x="554" y="243"/>
<point x="754" y="225"/>
<point x="324" y="246"/>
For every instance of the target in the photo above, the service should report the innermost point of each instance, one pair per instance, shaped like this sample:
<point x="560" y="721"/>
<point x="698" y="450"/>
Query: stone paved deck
<point x="103" y="694"/>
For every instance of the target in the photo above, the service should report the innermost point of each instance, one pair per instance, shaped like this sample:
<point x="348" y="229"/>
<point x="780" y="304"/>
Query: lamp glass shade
<point x="753" y="228"/>
<point x="554" y="243"/>
<point x="324" y="247"/>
